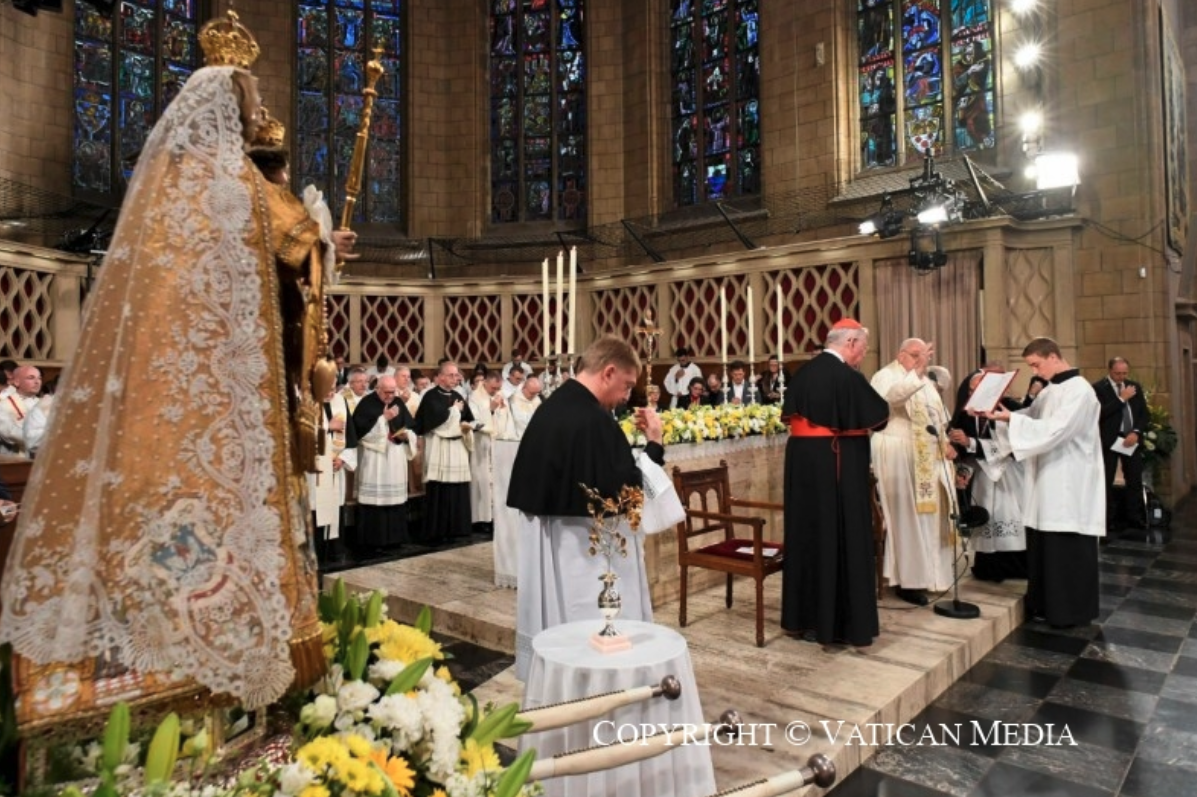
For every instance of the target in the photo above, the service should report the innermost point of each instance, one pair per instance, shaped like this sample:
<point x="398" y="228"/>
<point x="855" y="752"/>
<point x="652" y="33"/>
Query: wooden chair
<point x="724" y="556"/>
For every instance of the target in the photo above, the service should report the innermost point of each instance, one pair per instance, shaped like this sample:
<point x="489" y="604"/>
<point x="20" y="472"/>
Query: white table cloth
<point x="566" y="667"/>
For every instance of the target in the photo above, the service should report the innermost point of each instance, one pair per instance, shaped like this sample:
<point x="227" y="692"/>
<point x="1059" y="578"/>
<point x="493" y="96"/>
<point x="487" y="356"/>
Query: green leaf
<point x="163" y="751"/>
<point x="424" y="621"/>
<point x="116" y="737"/>
<point x="516" y="775"/>
<point x="472" y="722"/>
<point x="327" y="607"/>
<point x="339" y="595"/>
<point x="105" y="790"/>
<point x="407" y="679"/>
<point x="359" y="656"/>
<point x="494" y="726"/>
<point x="388" y="788"/>
<point x="374" y="610"/>
<point x="517" y="727"/>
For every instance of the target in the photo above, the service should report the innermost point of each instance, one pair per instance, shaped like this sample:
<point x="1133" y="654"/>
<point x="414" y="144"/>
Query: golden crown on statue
<point x="226" y="42"/>
<point x="271" y="132"/>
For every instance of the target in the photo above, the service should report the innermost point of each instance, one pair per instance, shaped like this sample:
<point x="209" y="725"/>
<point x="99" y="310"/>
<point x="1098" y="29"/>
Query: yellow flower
<point x="478" y="758"/>
<point x="321" y="753"/>
<point x="396" y="770"/>
<point x="438" y="793"/>
<point x="358" y="746"/>
<point x="444" y="674"/>
<point x="354" y="774"/>
<point x="315" y="790"/>
<point x="408" y="644"/>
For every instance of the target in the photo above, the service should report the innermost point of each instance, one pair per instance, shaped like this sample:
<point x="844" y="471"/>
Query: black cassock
<point x="572" y="440"/>
<point x="377" y="526"/>
<point x="829" y="578"/>
<point x="446" y="504"/>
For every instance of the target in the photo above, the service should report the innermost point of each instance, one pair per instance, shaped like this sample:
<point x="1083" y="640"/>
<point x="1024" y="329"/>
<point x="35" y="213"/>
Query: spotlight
<point x="868" y="227"/>
<point x="1027" y="56"/>
<point x="1030" y="123"/>
<point x="1056" y="170"/>
<point x="926" y="251"/>
<point x="885" y="223"/>
<point x="1022" y="7"/>
<point x="939" y="209"/>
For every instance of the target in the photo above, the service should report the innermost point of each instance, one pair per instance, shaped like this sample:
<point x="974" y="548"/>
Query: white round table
<point x="566" y="667"/>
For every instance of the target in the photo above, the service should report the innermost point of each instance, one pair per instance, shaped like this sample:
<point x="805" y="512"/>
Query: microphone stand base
<point x="958" y="610"/>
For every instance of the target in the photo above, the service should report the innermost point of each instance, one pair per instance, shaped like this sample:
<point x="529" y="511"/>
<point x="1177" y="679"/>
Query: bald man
<point x="26" y="383"/>
<point x="909" y="462"/>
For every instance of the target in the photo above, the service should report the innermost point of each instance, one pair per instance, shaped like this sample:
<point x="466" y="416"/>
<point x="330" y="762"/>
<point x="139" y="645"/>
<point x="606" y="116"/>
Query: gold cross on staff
<point x="649" y="329"/>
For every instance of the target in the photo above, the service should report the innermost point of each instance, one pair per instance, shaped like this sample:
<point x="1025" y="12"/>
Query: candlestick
<point x="544" y="302"/>
<point x="723" y="328"/>
<point x="751" y="327"/>
<point x="560" y="297"/>
<point x="780" y="327"/>
<point x="573" y="296"/>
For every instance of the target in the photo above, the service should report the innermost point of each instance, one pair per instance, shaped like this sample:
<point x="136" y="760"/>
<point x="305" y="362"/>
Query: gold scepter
<point x="324" y="373"/>
<point x="353" y="182"/>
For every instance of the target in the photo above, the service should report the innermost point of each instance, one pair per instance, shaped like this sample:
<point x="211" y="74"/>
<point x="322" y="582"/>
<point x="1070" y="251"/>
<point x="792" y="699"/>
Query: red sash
<point x="17" y="407"/>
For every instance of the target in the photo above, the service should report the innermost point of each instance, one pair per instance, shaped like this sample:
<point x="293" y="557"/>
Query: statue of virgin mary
<point x="162" y="556"/>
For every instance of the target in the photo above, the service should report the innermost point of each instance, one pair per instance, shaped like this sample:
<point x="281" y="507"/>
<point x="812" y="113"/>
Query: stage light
<point x="1027" y="56"/>
<point x="885" y="223"/>
<point x="935" y="214"/>
<point x="939" y="209"/>
<point x="1056" y="170"/>
<point x="868" y="227"/>
<point x="926" y="250"/>
<point x="1030" y="123"/>
<point x="1023" y="7"/>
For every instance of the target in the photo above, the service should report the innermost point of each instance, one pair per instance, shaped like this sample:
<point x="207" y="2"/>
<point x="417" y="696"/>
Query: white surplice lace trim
<point x="197" y="592"/>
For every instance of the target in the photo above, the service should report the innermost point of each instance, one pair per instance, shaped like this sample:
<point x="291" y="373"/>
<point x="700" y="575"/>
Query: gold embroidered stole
<point x="925" y="490"/>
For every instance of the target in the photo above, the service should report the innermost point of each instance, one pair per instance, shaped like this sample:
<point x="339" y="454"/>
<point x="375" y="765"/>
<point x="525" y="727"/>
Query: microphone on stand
<point x="964" y="523"/>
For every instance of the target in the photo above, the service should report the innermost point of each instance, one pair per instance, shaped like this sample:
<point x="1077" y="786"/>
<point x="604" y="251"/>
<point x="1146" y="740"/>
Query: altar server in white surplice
<point x="1059" y="441"/>
<point x="385" y="444"/>
<point x="573" y="439"/>
<point x="512" y="421"/>
<point x="326" y="487"/>
<point x="908" y="460"/>
<point x="485" y="402"/>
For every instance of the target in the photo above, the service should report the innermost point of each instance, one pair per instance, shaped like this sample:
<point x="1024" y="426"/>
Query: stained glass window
<point x="130" y="62"/>
<point x="335" y="39"/>
<point x="929" y="89"/>
<point x="716" y="113"/>
<point x="538" y="110"/>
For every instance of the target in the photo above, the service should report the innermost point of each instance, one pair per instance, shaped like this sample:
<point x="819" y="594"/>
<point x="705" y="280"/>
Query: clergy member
<point x="1059" y="440"/>
<point x="512" y="420"/>
<point x="326" y="486"/>
<point x="385" y="444"/>
<point x="356" y="389"/>
<point x="908" y="459"/>
<point x="677" y="381"/>
<point x="829" y="580"/>
<point x="573" y="440"/>
<point x="444" y="419"/>
<point x="485" y="402"/>
<point x="14" y="408"/>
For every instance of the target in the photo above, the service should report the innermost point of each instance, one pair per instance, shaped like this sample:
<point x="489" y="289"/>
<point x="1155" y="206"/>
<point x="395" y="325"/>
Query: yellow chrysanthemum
<point x="354" y="774"/>
<point x="396" y="770"/>
<point x="358" y="746"/>
<point x="315" y="790"/>
<point x="407" y="644"/>
<point x="478" y="758"/>
<point x="319" y="754"/>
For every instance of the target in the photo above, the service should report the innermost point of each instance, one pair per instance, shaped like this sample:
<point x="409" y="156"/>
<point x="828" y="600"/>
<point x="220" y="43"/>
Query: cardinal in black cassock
<point x="439" y="418"/>
<point x="571" y="440"/>
<point x="829" y="577"/>
<point x="380" y="519"/>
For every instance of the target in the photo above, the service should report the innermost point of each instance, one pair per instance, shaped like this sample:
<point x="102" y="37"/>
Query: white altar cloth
<point x="565" y="667"/>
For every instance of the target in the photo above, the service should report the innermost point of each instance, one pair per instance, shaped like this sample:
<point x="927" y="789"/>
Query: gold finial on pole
<point x="353" y="183"/>
<point x="650" y="331"/>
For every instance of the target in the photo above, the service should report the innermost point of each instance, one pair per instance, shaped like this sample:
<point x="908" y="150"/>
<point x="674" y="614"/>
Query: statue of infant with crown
<point x="163" y="557"/>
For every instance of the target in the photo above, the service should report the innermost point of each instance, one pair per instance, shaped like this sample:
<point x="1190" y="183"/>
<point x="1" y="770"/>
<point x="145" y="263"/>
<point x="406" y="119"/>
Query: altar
<point x="755" y="465"/>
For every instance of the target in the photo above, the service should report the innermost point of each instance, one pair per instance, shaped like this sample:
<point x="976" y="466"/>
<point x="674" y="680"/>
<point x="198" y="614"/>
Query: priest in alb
<point x="1059" y="441"/>
<point x="385" y="444"/>
<point x="829" y="582"/>
<point x="444" y="419"/>
<point x="572" y="440"/>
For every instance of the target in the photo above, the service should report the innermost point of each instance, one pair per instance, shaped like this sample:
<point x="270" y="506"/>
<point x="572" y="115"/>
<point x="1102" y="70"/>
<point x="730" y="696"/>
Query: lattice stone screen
<point x="695" y="314"/>
<point x="473" y="329"/>
<point x="338" y="325"/>
<point x="25" y="314"/>
<point x="392" y="325"/>
<point x="813" y="299"/>
<point x="620" y="311"/>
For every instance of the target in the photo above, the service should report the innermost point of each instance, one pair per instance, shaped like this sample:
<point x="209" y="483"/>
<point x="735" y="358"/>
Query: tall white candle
<point x="573" y="298"/>
<point x="560" y="298"/>
<point x="751" y="328"/>
<point x="780" y="329"/>
<point x="544" y="303"/>
<point x="723" y="323"/>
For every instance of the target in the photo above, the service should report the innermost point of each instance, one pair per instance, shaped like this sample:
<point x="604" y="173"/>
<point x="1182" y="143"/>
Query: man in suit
<point x="1124" y="416"/>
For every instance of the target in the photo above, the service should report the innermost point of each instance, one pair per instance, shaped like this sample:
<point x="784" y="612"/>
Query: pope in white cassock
<point x="908" y="460"/>
<point x="1059" y="441"/>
